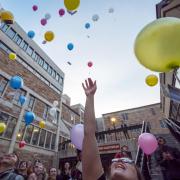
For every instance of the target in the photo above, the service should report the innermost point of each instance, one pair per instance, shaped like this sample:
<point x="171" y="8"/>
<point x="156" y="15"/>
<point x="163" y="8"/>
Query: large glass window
<point x="50" y="70"/>
<point x="24" y="45"/>
<point x="19" y="93"/>
<point x="48" y="140"/>
<point x="28" y="135"/>
<point x="45" y="66"/>
<point x="4" y="27"/>
<point x="11" y="33"/>
<point x="18" y="39"/>
<point x="21" y="132"/>
<point x="36" y="132"/>
<point x="46" y="110"/>
<point x="3" y="118"/>
<point x="29" y="50"/>
<point x="31" y="102"/>
<point x="10" y="127"/>
<point x="61" y="80"/>
<point x="53" y="73"/>
<point x="57" y="77"/>
<point x="42" y="138"/>
<point x="53" y="141"/>
<point x="3" y="84"/>
<point x="41" y="61"/>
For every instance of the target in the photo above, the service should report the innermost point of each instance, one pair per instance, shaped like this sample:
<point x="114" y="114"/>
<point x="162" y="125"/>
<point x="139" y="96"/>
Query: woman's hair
<point x="17" y="162"/>
<point x="22" y="163"/>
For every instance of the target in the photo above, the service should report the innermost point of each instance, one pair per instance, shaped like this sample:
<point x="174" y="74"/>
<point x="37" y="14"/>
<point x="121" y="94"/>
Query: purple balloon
<point x="61" y="12"/>
<point x="147" y="143"/>
<point x="43" y="22"/>
<point x="35" y="8"/>
<point x="77" y="135"/>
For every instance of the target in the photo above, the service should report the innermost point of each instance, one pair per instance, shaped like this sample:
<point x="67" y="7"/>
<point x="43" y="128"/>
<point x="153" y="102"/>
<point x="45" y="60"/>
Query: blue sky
<point x="120" y="78"/>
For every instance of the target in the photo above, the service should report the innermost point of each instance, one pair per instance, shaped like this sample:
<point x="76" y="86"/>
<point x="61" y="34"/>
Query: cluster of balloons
<point x="147" y="143"/>
<point x="49" y="36"/>
<point x="12" y="56"/>
<point x="6" y="17"/>
<point x="77" y="135"/>
<point x="29" y="117"/>
<point x="151" y="80"/>
<point x="16" y="82"/>
<point x="31" y="34"/>
<point x="2" y="127"/>
<point x="156" y="46"/>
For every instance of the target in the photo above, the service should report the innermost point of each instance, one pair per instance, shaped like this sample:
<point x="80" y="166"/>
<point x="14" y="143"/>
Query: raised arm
<point x="91" y="162"/>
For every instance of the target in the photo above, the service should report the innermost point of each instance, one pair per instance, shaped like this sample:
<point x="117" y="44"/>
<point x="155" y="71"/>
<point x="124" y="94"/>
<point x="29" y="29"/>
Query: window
<point x="177" y="83"/>
<point x="24" y="45"/>
<point x="53" y="73"/>
<point x="10" y="127"/>
<point x="4" y="27"/>
<point x="41" y="61"/>
<point x="45" y="66"/>
<point x="3" y="84"/>
<point x="46" y="110"/>
<point x="18" y="93"/>
<point x="21" y="132"/>
<point x="36" y="57"/>
<point x="61" y="80"/>
<point x="36" y="132"/>
<point x="5" y="48"/>
<point x="11" y="33"/>
<point x="53" y="141"/>
<point x="28" y="135"/>
<point x="162" y="124"/>
<point x="29" y="50"/>
<point x="3" y="118"/>
<point x="33" y="55"/>
<point x="18" y="39"/>
<point x="50" y="70"/>
<point x="48" y="140"/>
<point x="31" y="103"/>
<point x="42" y="138"/>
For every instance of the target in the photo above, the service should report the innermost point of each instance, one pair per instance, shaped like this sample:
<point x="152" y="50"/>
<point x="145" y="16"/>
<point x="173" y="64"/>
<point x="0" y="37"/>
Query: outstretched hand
<point x="89" y="87"/>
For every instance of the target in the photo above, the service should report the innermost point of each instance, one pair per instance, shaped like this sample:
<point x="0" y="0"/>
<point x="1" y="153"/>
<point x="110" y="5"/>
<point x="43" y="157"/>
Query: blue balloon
<point x="22" y="99"/>
<point x="16" y="82"/>
<point x="70" y="46"/>
<point x="29" y="117"/>
<point x="87" y="25"/>
<point x="31" y="34"/>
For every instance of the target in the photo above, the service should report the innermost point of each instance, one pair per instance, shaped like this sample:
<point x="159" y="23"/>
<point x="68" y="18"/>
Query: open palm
<point x="89" y="87"/>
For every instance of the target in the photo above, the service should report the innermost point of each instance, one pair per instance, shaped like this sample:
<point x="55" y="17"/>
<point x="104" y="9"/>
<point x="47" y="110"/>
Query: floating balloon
<point x="90" y="64"/>
<point x="29" y="117"/>
<point x="7" y="17"/>
<point x="12" y="56"/>
<point x="95" y="17"/>
<point x="22" y="99"/>
<point x="49" y="36"/>
<point x="77" y="135"/>
<point x="16" y="82"/>
<point x="52" y="112"/>
<point x="71" y="5"/>
<point x="157" y="47"/>
<point x="22" y="144"/>
<point x="87" y="25"/>
<point x="147" y="143"/>
<point x="42" y="124"/>
<point x="55" y="103"/>
<point x="151" y="80"/>
<point x="70" y="46"/>
<point x="2" y="127"/>
<point x="35" y="8"/>
<point x="47" y="16"/>
<point x="44" y="42"/>
<point x="69" y="63"/>
<point x="111" y="10"/>
<point x="61" y="12"/>
<point x="31" y="34"/>
<point x="43" y="22"/>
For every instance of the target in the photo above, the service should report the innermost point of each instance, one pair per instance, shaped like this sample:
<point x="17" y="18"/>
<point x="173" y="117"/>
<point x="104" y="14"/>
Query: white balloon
<point x="47" y="16"/>
<point x="95" y="17"/>
<point x="55" y="103"/>
<point x="52" y="111"/>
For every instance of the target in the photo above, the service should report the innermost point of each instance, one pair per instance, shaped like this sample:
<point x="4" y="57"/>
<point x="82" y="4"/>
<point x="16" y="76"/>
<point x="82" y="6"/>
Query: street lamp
<point x="113" y="120"/>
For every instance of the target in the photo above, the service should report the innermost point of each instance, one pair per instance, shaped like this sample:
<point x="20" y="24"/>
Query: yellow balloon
<point x="157" y="46"/>
<point x="49" y="36"/>
<point x="2" y="127"/>
<point x="151" y="80"/>
<point x="12" y="56"/>
<point x="7" y="17"/>
<point x="42" y="124"/>
<point x="71" y="5"/>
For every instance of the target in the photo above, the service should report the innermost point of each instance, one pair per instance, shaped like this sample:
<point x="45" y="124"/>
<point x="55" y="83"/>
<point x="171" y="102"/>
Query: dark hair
<point x="17" y="162"/>
<point x="22" y="163"/>
<point x="52" y="168"/>
<point x="161" y="138"/>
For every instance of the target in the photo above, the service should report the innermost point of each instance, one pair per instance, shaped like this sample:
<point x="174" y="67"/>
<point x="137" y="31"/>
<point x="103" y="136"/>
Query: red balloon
<point x="43" y="22"/>
<point x="90" y="64"/>
<point x="35" y="8"/>
<point x="61" y="12"/>
<point x="22" y="144"/>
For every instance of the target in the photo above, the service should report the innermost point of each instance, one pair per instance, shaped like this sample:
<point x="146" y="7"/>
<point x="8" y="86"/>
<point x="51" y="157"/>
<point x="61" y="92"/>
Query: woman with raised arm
<point x="121" y="168"/>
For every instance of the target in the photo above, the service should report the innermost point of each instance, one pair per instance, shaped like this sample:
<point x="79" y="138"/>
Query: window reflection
<point x="36" y="132"/>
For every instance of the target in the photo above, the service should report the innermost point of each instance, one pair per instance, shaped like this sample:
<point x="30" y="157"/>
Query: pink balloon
<point x="147" y="143"/>
<point x="90" y="64"/>
<point x="77" y="136"/>
<point x="35" y="8"/>
<point x="43" y="22"/>
<point x="61" y="12"/>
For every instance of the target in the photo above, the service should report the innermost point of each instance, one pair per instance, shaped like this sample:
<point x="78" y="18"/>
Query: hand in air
<point x="89" y="87"/>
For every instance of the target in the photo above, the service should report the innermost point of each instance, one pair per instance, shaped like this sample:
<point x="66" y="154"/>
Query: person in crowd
<point x="29" y="167"/>
<point x="66" y="173"/>
<point x="168" y="158"/>
<point x="8" y="163"/>
<point x="121" y="168"/>
<point x="22" y="169"/>
<point x="52" y="174"/>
